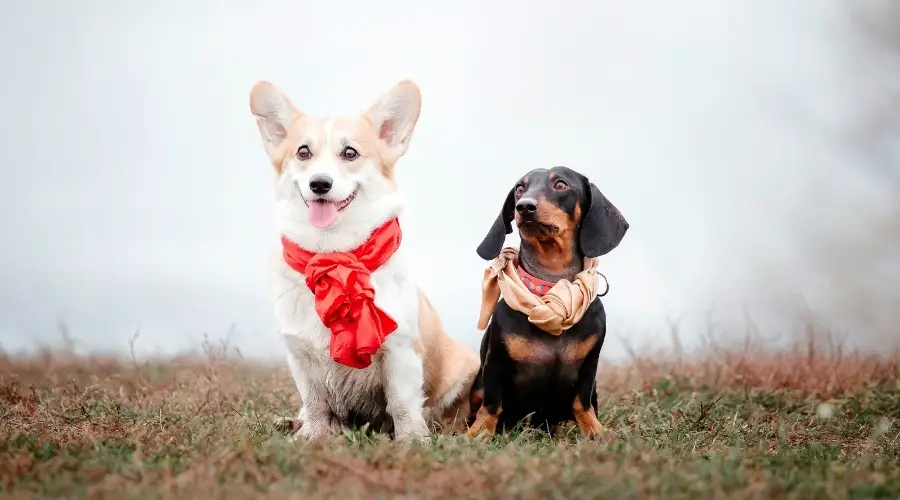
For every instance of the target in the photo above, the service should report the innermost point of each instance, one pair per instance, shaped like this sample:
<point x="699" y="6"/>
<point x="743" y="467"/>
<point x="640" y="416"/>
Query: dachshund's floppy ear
<point x="493" y="242"/>
<point x="603" y="228"/>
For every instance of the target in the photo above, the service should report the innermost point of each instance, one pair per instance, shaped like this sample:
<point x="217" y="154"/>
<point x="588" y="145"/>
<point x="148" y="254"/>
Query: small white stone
<point x="825" y="411"/>
<point x="884" y="425"/>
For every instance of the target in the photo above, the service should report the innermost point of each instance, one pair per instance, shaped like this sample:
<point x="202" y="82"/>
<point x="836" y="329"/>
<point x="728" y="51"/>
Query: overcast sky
<point x="136" y="193"/>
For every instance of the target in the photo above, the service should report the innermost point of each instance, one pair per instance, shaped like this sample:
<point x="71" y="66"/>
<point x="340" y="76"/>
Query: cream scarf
<point x="558" y="310"/>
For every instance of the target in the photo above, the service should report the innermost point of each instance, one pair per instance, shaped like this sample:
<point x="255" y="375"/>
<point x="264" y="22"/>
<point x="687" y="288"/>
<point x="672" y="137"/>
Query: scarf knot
<point x="345" y="298"/>
<point x="551" y="307"/>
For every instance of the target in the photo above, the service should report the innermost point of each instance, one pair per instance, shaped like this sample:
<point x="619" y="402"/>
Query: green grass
<point x="100" y="428"/>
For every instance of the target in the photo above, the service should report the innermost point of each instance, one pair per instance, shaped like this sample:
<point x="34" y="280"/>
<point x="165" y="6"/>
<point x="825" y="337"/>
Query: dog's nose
<point x="526" y="206"/>
<point x="320" y="184"/>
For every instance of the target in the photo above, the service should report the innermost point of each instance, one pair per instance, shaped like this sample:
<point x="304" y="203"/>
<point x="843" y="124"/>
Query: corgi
<point x="364" y="344"/>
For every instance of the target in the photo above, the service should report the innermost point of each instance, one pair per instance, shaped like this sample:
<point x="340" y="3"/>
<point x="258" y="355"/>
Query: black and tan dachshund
<point x="562" y="218"/>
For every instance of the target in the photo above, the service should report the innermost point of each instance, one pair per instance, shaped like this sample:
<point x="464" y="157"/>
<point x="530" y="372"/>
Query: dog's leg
<point x="583" y="407"/>
<point x="493" y="368"/>
<point x="403" y="390"/>
<point x="316" y="419"/>
<point x="292" y="424"/>
<point x="489" y="414"/>
<point x="476" y="393"/>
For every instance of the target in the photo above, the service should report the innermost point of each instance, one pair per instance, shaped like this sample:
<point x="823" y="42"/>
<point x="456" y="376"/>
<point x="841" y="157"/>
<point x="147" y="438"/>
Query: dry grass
<point x="809" y="423"/>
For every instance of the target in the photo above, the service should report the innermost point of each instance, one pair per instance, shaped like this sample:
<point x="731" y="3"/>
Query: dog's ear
<point x="603" y="227"/>
<point x="274" y="115"/>
<point x="394" y="116"/>
<point x="493" y="242"/>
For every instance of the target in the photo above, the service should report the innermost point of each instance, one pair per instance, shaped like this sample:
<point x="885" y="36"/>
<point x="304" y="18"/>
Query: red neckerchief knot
<point x="345" y="298"/>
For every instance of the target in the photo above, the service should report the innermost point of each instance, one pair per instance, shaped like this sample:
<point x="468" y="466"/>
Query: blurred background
<point x="753" y="147"/>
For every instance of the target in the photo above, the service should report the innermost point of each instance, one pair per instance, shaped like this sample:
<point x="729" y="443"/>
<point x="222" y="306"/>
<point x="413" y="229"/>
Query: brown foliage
<point x="200" y="427"/>
<point x="812" y="368"/>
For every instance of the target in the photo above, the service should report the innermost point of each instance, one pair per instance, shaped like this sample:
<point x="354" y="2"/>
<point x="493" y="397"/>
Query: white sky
<point x="137" y="193"/>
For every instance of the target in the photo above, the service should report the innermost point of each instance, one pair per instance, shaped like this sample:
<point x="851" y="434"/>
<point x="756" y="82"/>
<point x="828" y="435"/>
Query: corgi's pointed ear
<point x="274" y="114"/>
<point x="493" y="241"/>
<point x="394" y="116"/>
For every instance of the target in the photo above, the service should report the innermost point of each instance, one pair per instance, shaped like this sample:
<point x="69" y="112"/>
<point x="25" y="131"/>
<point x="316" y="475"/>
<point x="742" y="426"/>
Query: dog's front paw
<point x="589" y="425"/>
<point x="312" y="432"/>
<point x="287" y="425"/>
<point x="485" y="424"/>
<point x="592" y="429"/>
<point x="412" y="431"/>
<point x="481" y="431"/>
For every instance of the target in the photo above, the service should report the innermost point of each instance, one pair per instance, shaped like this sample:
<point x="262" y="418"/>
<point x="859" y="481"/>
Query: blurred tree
<point x="850" y="253"/>
<point x="860" y="260"/>
<point x="875" y="50"/>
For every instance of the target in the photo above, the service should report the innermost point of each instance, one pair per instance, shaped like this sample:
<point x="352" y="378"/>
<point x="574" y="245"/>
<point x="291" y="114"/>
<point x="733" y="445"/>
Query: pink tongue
<point x="321" y="213"/>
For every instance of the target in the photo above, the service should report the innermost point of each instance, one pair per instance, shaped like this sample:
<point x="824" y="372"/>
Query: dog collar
<point x="345" y="299"/>
<point x="534" y="284"/>
<point x="540" y="287"/>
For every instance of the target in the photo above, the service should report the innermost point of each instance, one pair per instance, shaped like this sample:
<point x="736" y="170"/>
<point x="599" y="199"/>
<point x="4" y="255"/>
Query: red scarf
<point x="345" y="299"/>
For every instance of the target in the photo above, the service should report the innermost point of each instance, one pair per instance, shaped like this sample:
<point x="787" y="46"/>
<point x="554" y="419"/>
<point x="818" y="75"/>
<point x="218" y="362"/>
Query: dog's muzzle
<point x="526" y="208"/>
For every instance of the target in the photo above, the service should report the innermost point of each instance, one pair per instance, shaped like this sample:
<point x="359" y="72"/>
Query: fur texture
<point x="420" y="373"/>
<point x="525" y="372"/>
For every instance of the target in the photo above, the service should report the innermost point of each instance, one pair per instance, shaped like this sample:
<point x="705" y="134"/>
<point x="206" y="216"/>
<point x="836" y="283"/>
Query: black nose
<point x="526" y="206"/>
<point x="320" y="184"/>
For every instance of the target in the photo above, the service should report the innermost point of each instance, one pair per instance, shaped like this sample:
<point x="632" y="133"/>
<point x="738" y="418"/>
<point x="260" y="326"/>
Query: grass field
<point x="810" y="423"/>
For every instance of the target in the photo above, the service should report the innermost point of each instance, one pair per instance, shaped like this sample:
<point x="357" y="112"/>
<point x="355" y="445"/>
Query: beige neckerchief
<point x="560" y="308"/>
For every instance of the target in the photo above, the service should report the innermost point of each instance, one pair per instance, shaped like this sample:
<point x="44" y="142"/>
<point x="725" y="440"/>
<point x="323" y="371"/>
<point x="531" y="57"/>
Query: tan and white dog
<point x="335" y="193"/>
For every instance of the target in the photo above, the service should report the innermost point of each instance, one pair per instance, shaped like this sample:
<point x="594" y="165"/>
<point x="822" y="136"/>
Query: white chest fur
<point x="332" y="393"/>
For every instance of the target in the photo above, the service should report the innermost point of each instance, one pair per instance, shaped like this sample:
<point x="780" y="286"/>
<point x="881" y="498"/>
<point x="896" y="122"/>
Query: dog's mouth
<point x="322" y="213"/>
<point x="538" y="231"/>
<point x="533" y="227"/>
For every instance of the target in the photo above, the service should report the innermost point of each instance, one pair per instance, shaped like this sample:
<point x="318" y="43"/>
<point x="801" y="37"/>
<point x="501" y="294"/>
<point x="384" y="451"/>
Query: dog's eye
<point x="304" y="153"/>
<point x="520" y="190"/>
<point x="560" y="185"/>
<point x="349" y="153"/>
